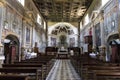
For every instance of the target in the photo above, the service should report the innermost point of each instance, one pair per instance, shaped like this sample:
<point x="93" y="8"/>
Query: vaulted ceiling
<point x="63" y="10"/>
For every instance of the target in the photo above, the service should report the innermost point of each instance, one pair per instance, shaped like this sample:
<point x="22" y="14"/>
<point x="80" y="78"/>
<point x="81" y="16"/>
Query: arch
<point x="65" y="25"/>
<point x="11" y="48"/>
<point x="62" y="28"/>
<point x="113" y="50"/>
<point x="112" y="36"/>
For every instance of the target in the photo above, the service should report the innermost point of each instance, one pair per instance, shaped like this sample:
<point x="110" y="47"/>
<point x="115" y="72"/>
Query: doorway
<point x="113" y="48"/>
<point x="11" y="49"/>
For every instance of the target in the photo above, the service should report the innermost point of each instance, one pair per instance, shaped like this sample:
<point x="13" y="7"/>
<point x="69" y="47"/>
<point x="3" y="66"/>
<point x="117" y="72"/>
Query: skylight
<point x="86" y="19"/>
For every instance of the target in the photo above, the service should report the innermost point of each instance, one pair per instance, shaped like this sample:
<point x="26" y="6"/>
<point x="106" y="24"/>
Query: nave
<point x="63" y="70"/>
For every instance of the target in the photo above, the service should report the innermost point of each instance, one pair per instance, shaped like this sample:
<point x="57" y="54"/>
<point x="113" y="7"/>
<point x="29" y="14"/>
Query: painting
<point x="72" y="42"/>
<point x="97" y="35"/>
<point x="27" y="35"/>
<point x="53" y="41"/>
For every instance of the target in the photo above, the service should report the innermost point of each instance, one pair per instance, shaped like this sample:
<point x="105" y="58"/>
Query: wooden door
<point x="13" y="54"/>
<point x="114" y="56"/>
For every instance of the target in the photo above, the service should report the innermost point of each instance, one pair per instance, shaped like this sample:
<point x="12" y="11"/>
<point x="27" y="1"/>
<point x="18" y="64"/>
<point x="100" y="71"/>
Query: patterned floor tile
<point x="63" y="70"/>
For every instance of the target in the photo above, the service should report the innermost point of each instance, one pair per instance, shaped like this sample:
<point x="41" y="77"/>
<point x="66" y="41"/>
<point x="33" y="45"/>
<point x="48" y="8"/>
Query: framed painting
<point x="28" y="35"/>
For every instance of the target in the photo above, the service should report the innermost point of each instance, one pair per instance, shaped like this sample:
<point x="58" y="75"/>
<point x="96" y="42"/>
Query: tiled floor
<point x="63" y="70"/>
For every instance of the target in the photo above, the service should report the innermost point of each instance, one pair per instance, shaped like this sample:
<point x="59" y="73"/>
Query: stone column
<point x="78" y="34"/>
<point x="23" y="39"/>
<point x="93" y="33"/>
<point x="46" y="34"/>
<point x="1" y="27"/>
<point x="102" y="34"/>
<point x="0" y="23"/>
<point x="119" y="18"/>
<point x="102" y="28"/>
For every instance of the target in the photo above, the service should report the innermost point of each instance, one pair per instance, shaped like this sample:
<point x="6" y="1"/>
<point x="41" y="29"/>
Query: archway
<point x="11" y="49"/>
<point x="113" y="48"/>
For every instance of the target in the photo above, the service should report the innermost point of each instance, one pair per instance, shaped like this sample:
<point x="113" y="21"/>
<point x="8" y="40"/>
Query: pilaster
<point x="78" y="34"/>
<point x="46" y="34"/>
<point x="1" y="28"/>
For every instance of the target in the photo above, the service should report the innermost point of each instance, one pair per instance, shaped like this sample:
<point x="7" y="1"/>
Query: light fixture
<point x="5" y="24"/>
<point x="113" y="23"/>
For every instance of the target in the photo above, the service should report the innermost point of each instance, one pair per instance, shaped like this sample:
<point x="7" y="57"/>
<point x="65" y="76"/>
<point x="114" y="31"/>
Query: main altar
<point x="62" y="53"/>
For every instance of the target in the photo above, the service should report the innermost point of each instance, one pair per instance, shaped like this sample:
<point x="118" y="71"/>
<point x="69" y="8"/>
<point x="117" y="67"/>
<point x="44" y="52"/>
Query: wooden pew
<point x="90" y="70"/>
<point x="13" y="77"/>
<point x="107" y="75"/>
<point x="51" y="50"/>
<point x="27" y="65"/>
<point x="23" y="65"/>
<point x="76" y="50"/>
<point x="47" y="62"/>
<point x="21" y="70"/>
<point x="80" y="63"/>
<point x="46" y="65"/>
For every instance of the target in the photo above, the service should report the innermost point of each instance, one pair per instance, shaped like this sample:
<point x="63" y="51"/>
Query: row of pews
<point x="93" y="69"/>
<point x="30" y="69"/>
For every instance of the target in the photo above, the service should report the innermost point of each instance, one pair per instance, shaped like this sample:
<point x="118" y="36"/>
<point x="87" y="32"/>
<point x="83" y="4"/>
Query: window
<point x="44" y="25"/>
<point x="22" y="2"/>
<point x="86" y="19"/>
<point x="39" y="19"/>
<point x="80" y="25"/>
<point x="104" y="2"/>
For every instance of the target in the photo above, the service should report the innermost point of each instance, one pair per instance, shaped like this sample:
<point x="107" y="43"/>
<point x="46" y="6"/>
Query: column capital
<point x="2" y="3"/>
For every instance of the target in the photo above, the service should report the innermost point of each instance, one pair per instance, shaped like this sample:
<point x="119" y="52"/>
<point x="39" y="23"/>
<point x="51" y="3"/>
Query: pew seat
<point x="13" y="77"/>
<point x="29" y="71"/>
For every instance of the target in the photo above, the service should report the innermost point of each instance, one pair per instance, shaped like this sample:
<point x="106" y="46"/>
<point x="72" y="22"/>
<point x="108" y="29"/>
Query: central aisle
<point x="63" y="70"/>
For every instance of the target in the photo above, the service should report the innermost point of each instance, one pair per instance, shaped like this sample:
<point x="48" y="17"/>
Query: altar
<point x="62" y="54"/>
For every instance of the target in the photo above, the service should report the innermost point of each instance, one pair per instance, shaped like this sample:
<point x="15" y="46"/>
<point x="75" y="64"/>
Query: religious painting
<point x="97" y="35"/>
<point x="72" y="42"/>
<point x="53" y="41"/>
<point x="70" y="32"/>
<point x="27" y="35"/>
<point x="63" y="39"/>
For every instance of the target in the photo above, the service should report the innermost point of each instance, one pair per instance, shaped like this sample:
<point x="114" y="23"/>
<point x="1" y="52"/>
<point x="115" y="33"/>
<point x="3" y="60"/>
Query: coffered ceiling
<point x="63" y="10"/>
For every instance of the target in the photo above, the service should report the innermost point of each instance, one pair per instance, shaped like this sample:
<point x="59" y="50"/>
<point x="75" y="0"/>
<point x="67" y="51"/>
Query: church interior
<point x="59" y="39"/>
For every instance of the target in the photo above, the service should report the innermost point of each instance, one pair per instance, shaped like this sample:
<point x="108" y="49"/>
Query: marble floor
<point x="63" y="70"/>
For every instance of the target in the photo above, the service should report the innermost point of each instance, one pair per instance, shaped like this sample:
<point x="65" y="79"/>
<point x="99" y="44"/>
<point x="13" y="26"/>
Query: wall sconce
<point x="5" y="24"/>
<point x="113" y="23"/>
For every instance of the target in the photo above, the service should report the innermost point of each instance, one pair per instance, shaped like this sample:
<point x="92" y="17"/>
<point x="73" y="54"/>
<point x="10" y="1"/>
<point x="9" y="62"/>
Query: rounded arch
<point x="62" y="26"/>
<point x="113" y="50"/>
<point x="112" y="37"/>
<point x="11" y="48"/>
